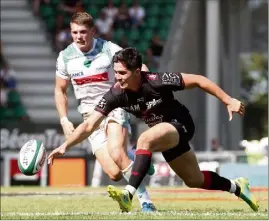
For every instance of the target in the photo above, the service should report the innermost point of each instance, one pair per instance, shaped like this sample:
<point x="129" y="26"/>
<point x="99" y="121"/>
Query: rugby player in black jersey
<point x="149" y="96"/>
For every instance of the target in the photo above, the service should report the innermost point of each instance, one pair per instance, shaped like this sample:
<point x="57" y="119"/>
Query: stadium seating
<point x="157" y="20"/>
<point x="13" y="98"/>
<point x="14" y="110"/>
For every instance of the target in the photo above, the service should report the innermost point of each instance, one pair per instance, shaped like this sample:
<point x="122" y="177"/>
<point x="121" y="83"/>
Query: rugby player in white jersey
<point x="87" y="64"/>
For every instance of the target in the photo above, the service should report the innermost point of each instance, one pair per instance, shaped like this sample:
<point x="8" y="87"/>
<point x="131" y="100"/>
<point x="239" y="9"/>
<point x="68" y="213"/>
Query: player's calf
<point x="139" y="170"/>
<point x="194" y="182"/>
<point x="108" y="165"/>
<point x="132" y="154"/>
<point x="213" y="181"/>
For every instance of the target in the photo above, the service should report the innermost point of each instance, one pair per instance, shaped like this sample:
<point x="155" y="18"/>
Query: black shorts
<point x="186" y="131"/>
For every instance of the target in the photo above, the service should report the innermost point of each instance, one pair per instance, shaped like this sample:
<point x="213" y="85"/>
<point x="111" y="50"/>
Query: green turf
<point x="93" y="203"/>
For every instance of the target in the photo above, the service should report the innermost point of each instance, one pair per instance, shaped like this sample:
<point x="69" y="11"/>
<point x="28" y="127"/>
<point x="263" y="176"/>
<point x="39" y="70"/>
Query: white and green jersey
<point x="91" y="73"/>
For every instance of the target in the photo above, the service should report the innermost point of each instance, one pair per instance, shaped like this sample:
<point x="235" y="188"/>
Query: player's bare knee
<point x="144" y="142"/>
<point x="114" y="175"/>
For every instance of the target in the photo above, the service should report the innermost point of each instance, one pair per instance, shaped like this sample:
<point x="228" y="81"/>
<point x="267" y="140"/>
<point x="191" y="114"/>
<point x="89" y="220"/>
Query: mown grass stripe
<point x="176" y="213"/>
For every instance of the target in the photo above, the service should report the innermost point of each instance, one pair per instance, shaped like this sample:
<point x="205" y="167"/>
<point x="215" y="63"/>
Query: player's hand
<point x="60" y="151"/>
<point x="236" y="106"/>
<point x="67" y="126"/>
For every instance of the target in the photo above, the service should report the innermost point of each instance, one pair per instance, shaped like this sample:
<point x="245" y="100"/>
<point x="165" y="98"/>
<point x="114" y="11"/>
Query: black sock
<point x="213" y="181"/>
<point x="140" y="168"/>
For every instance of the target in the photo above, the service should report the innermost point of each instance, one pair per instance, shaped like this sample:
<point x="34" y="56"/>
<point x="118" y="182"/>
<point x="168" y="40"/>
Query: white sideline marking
<point x="175" y="213"/>
<point x="13" y="194"/>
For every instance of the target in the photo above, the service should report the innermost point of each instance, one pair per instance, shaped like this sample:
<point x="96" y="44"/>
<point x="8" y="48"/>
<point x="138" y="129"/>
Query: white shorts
<point x="98" y="138"/>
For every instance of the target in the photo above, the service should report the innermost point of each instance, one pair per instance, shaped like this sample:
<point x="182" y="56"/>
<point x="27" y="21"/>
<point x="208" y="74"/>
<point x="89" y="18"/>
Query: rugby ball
<point x="32" y="157"/>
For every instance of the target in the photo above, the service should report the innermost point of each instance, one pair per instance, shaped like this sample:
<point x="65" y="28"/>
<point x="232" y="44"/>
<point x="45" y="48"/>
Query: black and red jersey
<point x="154" y="102"/>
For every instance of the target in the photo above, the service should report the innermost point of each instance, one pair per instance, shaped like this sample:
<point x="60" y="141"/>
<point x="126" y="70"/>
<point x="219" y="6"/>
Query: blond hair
<point x="83" y="18"/>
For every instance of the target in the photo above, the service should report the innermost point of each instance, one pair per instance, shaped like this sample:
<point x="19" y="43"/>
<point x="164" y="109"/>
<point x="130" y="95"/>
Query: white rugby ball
<point x="32" y="157"/>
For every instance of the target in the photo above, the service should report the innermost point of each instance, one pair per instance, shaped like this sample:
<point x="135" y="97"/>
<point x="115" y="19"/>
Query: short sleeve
<point x="113" y="48"/>
<point x="61" y="68"/>
<point x="107" y="103"/>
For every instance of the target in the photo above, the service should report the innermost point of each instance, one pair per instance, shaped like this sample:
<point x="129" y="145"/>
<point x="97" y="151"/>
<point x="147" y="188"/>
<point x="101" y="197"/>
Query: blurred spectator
<point x="215" y="146"/>
<point x="124" y="42"/>
<point x="155" y="50"/>
<point x="63" y="38"/>
<point x="104" y="26"/>
<point x="10" y="99"/>
<point x="71" y="6"/>
<point x="59" y="23"/>
<point x="149" y="61"/>
<point x="66" y="8"/>
<point x="7" y="75"/>
<point x="3" y="88"/>
<point x="137" y="14"/>
<point x="110" y="10"/>
<point x="7" y="79"/>
<point x="123" y="19"/>
<point x="3" y="93"/>
<point x="37" y="3"/>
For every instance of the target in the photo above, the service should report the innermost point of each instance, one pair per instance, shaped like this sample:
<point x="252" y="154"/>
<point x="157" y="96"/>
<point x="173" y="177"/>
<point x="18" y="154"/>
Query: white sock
<point x="141" y="191"/>
<point x="97" y="174"/>
<point x="130" y="189"/>
<point x="233" y="187"/>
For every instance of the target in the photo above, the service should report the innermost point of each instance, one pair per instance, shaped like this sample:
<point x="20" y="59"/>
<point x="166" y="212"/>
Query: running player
<point x="149" y="96"/>
<point x="87" y="64"/>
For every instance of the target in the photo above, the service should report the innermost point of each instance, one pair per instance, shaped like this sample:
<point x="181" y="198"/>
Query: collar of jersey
<point x="90" y="51"/>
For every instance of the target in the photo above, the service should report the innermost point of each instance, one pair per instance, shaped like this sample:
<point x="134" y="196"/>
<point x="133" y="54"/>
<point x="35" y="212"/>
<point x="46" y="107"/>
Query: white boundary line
<point x="174" y="213"/>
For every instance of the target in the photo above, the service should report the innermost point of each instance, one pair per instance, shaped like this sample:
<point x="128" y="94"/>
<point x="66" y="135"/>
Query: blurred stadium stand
<point x="28" y="49"/>
<point x="28" y="44"/>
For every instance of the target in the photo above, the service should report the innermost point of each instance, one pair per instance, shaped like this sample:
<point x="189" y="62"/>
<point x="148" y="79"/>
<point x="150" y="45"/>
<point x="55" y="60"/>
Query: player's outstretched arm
<point x="233" y="105"/>
<point x="83" y="131"/>
<point x="60" y="98"/>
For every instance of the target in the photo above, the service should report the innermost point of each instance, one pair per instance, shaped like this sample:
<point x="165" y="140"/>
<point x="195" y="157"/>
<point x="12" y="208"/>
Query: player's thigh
<point x="117" y="136"/>
<point x="187" y="168"/>
<point x="160" y="137"/>
<point x="117" y="140"/>
<point x="98" y="141"/>
<point x="117" y="130"/>
<point x="107" y="163"/>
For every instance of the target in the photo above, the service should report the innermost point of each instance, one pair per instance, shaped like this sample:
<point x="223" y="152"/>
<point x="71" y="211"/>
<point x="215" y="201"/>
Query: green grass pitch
<point x="36" y="203"/>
